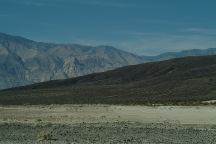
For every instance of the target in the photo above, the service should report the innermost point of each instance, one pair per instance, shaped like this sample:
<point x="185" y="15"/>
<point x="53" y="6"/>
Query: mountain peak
<point x="7" y="37"/>
<point x="25" y="62"/>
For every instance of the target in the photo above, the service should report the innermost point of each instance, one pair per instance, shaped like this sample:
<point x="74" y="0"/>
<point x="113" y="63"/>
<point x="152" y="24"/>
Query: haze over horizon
<point x="143" y="27"/>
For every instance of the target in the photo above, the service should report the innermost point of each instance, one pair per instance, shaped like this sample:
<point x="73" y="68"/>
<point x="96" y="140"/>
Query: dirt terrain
<point x="81" y="124"/>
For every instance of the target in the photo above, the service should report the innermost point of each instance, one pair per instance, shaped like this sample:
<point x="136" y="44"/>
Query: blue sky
<point x="144" y="27"/>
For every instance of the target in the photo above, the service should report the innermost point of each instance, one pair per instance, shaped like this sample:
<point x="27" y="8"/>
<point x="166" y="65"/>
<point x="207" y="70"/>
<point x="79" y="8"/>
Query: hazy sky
<point x="144" y="27"/>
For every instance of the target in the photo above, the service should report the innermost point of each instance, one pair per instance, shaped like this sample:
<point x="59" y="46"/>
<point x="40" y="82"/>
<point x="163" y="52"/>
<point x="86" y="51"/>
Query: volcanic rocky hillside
<point x="23" y="61"/>
<point x="188" y="80"/>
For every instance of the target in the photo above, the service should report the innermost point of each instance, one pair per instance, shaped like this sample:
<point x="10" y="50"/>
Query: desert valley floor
<point x="109" y="124"/>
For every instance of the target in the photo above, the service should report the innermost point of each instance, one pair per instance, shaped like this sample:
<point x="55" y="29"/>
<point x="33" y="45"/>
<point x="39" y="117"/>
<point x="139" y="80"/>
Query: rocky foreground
<point x="105" y="133"/>
<point x="90" y="124"/>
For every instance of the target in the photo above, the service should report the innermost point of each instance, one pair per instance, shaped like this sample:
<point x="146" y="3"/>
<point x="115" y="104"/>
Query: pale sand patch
<point x="209" y="102"/>
<point x="108" y="113"/>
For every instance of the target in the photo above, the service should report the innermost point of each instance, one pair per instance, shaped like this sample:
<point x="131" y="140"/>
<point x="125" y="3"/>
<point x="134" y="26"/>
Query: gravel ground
<point x="104" y="124"/>
<point x="106" y="133"/>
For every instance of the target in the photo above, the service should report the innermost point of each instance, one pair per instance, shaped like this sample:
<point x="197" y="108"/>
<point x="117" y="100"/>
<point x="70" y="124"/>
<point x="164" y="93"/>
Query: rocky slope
<point x="190" y="80"/>
<point x="23" y="61"/>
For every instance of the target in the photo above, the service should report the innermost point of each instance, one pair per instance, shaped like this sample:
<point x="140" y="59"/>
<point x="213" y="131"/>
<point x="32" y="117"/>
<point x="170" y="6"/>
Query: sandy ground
<point x="107" y="124"/>
<point x="105" y="113"/>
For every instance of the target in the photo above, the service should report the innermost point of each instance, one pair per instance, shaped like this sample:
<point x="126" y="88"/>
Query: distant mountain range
<point x="182" y="81"/>
<point x="184" y="53"/>
<point x="23" y="61"/>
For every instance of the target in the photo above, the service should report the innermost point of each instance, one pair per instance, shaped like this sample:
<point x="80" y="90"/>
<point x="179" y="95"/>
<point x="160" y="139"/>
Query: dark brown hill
<point x="188" y="80"/>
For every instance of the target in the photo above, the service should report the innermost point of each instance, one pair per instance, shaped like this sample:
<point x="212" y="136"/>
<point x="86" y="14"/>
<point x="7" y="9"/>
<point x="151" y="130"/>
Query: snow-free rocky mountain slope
<point x="23" y="61"/>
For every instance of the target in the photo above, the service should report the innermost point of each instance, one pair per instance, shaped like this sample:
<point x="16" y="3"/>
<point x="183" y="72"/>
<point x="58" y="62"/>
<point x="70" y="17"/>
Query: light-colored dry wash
<point x="108" y="124"/>
<point x="71" y="114"/>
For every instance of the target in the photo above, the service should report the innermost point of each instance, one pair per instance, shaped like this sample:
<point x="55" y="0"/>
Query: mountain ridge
<point x="180" y="54"/>
<point x="24" y="61"/>
<point x="180" y="81"/>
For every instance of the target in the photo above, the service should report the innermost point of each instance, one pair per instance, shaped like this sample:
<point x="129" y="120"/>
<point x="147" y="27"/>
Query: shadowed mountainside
<point x="188" y="80"/>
